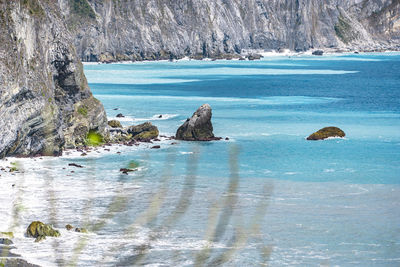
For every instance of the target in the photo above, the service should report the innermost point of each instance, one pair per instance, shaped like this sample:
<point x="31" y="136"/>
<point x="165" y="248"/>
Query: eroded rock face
<point x="40" y="230"/>
<point x="198" y="127"/>
<point x="45" y="102"/>
<point x="326" y="132"/>
<point x="164" y="29"/>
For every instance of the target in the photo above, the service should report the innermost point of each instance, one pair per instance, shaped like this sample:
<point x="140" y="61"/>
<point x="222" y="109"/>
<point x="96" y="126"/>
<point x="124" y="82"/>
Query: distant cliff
<point x="162" y="29"/>
<point x="45" y="102"/>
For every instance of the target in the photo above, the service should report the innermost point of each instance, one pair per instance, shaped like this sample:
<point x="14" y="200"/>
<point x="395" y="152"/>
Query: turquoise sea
<point x="265" y="196"/>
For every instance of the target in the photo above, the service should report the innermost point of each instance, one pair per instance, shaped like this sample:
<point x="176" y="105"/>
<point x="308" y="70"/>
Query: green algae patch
<point x="7" y="234"/>
<point x="133" y="164"/>
<point x="93" y="138"/>
<point x="14" y="167"/>
<point x="40" y="230"/>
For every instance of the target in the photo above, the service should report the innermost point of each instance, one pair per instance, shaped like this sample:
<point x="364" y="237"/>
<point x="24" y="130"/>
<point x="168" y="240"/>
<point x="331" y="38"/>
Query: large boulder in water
<point x="326" y="133"/>
<point x="40" y="230"/>
<point x="143" y="132"/>
<point x="198" y="127"/>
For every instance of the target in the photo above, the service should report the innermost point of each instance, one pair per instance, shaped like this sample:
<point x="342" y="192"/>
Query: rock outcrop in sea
<point x="144" y="132"/>
<point x="40" y="231"/>
<point x="326" y="132"/>
<point x="114" y="124"/>
<point x="8" y="258"/>
<point x="109" y="31"/>
<point x="45" y="102"/>
<point x="198" y="127"/>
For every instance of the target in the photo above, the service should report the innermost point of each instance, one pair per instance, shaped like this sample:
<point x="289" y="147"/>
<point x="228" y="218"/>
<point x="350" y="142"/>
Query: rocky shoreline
<point x="255" y="55"/>
<point x="8" y="258"/>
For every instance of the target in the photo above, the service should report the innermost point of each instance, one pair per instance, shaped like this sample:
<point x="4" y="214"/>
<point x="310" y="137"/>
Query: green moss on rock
<point x="40" y="230"/>
<point x="114" y="124"/>
<point x="144" y="131"/>
<point x="83" y="111"/>
<point x="34" y="7"/>
<point x="82" y="9"/>
<point x="343" y="30"/>
<point x="7" y="234"/>
<point x="326" y="133"/>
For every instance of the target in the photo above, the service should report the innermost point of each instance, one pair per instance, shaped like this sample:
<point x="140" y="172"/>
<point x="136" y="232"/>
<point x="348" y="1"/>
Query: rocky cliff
<point x="163" y="29"/>
<point x="45" y="102"/>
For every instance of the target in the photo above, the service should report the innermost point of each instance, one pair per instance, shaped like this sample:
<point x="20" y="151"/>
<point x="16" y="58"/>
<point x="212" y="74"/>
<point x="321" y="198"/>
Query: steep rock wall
<point x="162" y="29"/>
<point x="45" y="102"/>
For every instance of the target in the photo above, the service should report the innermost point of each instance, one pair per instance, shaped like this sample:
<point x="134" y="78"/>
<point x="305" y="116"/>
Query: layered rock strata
<point x="45" y="102"/>
<point x="162" y="29"/>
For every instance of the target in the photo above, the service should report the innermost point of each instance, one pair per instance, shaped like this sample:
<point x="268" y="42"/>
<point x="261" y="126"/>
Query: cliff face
<point x="45" y="102"/>
<point x="154" y="29"/>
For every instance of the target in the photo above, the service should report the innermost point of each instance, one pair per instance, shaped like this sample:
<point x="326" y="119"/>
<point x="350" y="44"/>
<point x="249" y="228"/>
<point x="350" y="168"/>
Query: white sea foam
<point x="153" y="118"/>
<point x="291" y="173"/>
<point x="167" y="76"/>
<point x="185" y="153"/>
<point x="273" y="100"/>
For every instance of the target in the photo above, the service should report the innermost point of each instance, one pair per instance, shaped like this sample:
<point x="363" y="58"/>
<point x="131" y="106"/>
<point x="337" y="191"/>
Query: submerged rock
<point x="75" y="165"/>
<point x="143" y="132"/>
<point x="40" y="230"/>
<point x="120" y="115"/>
<point x="326" y="133"/>
<point x="5" y="241"/>
<point x="76" y="229"/>
<point x="81" y="230"/>
<point x="114" y="124"/>
<point x="125" y="170"/>
<point x="198" y="127"/>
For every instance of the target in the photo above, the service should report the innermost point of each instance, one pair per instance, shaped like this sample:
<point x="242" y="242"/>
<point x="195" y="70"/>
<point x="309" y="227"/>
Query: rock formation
<point x="162" y="29"/>
<point x="8" y="258"/>
<point x="45" y="102"/>
<point x="40" y="230"/>
<point x="114" y="124"/>
<point x="326" y="133"/>
<point x="143" y="132"/>
<point x="198" y="127"/>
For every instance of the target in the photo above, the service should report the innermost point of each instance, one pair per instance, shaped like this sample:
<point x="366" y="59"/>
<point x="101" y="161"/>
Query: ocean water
<point x="266" y="196"/>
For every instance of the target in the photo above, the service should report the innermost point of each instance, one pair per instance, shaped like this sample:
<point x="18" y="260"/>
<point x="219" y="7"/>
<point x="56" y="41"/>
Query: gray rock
<point x="16" y="262"/>
<point x="5" y="241"/>
<point x="5" y="252"/>
<point x="198" y="127"/>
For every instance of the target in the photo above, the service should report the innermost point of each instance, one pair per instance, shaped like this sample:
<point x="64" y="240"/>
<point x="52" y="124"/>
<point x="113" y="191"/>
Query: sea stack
<point x="198" y="127"/>
<point x="326" y="132"/>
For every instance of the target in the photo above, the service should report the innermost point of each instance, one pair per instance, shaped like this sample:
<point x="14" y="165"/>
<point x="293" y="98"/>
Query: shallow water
<point x="264" y="195"/>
